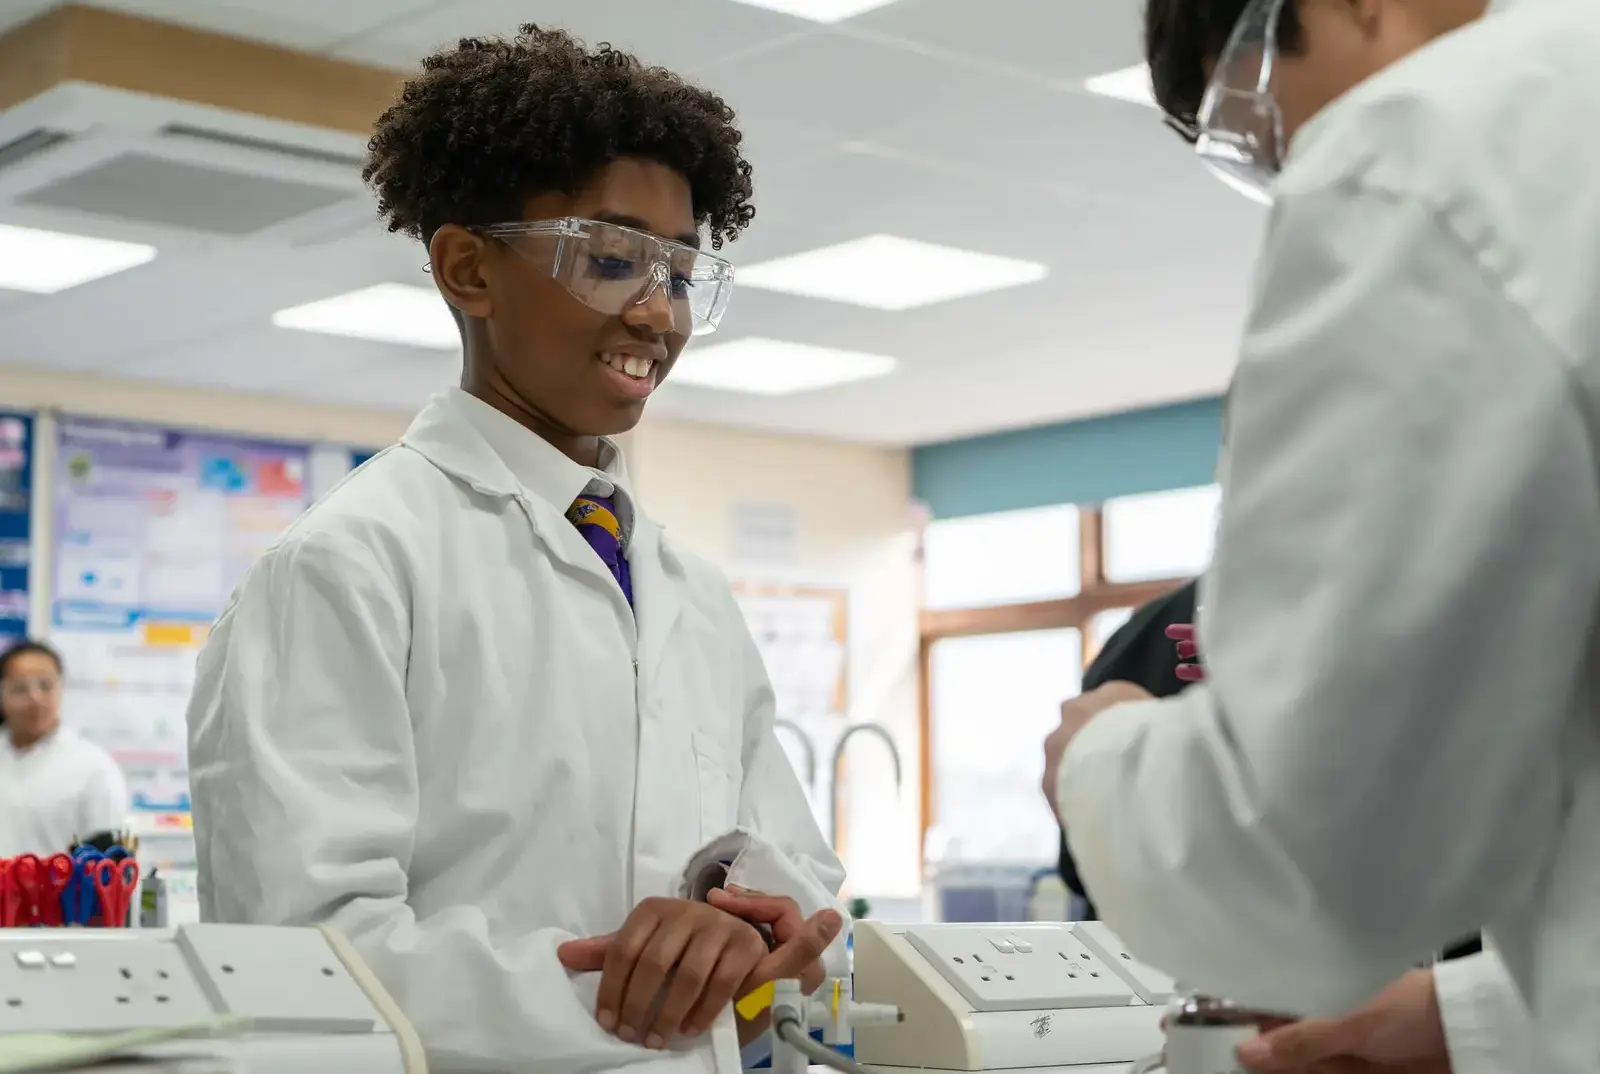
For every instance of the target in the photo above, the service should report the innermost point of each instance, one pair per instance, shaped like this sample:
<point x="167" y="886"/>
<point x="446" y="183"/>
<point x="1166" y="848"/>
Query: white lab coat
<point x="1399" y="742"/>
<point x="429" y="717"/>
<point x="59" y="789"/>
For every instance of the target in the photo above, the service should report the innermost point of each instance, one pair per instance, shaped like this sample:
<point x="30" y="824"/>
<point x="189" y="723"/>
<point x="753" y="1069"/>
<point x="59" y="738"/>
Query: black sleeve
<point x="1141" y="653"/>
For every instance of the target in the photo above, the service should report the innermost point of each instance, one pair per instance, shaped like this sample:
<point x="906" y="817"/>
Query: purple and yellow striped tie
<point x="596" y="519"/>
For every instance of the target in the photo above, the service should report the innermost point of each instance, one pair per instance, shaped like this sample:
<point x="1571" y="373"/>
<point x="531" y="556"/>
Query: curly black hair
<point x="493" y="122"/>
<point x="1182" y="38"/>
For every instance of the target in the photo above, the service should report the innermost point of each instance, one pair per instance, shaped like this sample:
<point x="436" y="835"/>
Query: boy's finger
<point x="756" y="909"/>
<point x="1181" y="632"/>
<point x="794" y="956"/>
<point x="652" y="970"/>
<point x="621" y="956"/>
<point x="586" y="955"/>
<point x="1298" y="1046"/>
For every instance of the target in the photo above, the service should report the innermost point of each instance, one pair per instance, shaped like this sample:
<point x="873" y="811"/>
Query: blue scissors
<point x="80" y="901"/>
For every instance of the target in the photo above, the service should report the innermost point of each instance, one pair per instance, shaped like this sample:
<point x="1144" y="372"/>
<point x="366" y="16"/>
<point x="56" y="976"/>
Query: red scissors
<point x="57" y="876"/>
<point x="9" y="896"/>
<point x="116" y="881"/>
<point x="27" y="879"/>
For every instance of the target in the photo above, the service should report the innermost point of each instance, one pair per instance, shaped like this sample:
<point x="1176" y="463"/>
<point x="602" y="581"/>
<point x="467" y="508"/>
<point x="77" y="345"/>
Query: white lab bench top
<point x="1098" y="1068"/>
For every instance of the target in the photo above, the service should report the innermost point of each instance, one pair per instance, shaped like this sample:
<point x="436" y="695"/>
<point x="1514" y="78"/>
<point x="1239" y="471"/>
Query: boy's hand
<point x="782" y="916"/>
<point x="693" y="958"/>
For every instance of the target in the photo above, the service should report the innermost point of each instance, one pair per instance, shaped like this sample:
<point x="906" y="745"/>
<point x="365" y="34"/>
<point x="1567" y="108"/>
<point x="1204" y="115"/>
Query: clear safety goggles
<point x="1239" y="129"/>
<point x="20" y="689"/>
<point x="611" y="268"/>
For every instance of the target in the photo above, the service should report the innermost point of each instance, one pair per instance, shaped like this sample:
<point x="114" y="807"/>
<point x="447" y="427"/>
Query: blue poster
<point x="357" y="458"/>
<point x="153" y="529"/>
<point x="16" y="515"/>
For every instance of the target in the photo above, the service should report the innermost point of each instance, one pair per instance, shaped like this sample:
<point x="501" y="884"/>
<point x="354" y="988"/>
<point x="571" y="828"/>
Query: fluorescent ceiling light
<point x="771" y="367"/>
<point x="1131" y="84"/>
<point x="385" y="313"/>
<point x="44" y="262"/>
<point x="820" y="10"/>
<point x="888" y="273"/>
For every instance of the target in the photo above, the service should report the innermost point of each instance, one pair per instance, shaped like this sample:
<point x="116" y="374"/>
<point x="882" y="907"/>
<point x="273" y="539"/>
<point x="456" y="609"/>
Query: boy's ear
<point x="457" y="259"/>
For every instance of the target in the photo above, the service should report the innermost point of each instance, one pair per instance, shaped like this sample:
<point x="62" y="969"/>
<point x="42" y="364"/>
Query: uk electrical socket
<point x="1149" y="984"/>
<point x="1022" y="968"/>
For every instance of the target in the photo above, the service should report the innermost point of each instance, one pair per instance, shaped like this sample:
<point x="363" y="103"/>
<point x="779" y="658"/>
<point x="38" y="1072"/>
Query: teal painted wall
<point x="1076" y="462"/>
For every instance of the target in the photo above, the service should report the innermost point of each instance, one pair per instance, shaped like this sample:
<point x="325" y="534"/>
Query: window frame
<point x="1095" y="595"/>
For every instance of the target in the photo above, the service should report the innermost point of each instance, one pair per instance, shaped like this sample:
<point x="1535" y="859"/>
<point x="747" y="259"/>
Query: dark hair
<point x="23" y="648"/>
<point x="493" y="122"/>
<point x="1182" y="38"/>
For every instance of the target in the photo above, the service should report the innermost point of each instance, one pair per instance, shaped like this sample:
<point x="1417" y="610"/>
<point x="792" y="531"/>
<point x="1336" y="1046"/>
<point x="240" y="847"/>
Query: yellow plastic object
<point x="837" y="987"/>
<point x="756" y="1002"/>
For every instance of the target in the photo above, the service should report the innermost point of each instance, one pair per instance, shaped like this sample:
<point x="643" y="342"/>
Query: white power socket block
<point x="1149" y="984"/>
<point x="112" y="980"/>
<point x="1022" y="968"/>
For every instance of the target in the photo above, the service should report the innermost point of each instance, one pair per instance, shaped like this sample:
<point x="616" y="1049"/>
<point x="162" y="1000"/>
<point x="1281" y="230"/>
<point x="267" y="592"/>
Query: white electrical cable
<point x="792" y="1033"/>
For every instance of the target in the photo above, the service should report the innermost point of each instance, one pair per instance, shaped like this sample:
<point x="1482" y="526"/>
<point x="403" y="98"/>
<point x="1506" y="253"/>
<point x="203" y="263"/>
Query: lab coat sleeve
<point x="1402" y="590"/>
<point x="1487" y="1026"/>
<point x="786" y="853"/>
<point x="304" y="778"/>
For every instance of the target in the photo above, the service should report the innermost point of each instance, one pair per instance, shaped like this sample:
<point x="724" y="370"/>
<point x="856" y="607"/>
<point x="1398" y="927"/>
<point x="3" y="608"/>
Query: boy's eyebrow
<point x="624" y="220"/>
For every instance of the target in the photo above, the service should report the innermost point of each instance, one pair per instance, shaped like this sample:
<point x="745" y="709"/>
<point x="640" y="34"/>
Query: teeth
<point x="632" y="365"/>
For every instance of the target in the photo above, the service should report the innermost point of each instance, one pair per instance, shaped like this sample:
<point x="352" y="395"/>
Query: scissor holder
<point x="311" y="1003"/>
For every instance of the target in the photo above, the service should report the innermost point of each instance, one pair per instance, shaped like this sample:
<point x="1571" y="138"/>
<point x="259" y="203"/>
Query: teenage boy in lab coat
<point x="476" y="709"/>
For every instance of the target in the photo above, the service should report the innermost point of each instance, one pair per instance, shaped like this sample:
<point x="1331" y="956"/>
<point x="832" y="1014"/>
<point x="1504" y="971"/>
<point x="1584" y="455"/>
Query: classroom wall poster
<point x="16" y="515"/>
<point x="153" y="529"/>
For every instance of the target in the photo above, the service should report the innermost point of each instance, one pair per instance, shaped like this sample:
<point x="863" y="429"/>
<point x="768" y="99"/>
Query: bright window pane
<point x="1102" y="626"/>
<point x="1161" y="535"/>
<point x="1011" y="558"/>
<point x="993" y="699"/>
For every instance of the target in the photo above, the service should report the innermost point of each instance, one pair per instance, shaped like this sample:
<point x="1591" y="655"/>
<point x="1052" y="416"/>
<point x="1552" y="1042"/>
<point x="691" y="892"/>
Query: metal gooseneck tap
<point x="838" y="756"/>
<point x="806" y="745"/>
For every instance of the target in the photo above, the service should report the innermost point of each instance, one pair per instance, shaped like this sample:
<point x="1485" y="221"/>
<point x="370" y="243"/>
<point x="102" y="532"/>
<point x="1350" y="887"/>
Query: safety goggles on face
<point x="611" y="268"/>
<point x="1239" y="128"/>
<point x="20" y="689"/>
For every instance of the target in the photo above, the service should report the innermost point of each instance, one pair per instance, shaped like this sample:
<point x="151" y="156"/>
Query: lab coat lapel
<point x="449" y="441"/>
<point x="658" y="592"/>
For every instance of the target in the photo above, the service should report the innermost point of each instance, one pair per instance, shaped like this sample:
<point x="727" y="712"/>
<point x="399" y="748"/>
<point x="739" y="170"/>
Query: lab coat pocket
<point x="717" y="769"/>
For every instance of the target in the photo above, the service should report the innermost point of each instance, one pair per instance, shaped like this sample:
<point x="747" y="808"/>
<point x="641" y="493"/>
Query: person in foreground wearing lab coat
<point x="55" y="786"/>
<point x="1399" y="740"/>
<point x="475" y="709"/>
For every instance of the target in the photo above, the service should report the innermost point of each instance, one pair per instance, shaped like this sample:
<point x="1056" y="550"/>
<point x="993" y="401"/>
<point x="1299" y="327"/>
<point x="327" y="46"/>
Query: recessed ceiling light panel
<point x="44" y="262"/>
<point x="1131" y="84"/>
<point x="890" y="273"/>
<point x="758" y="366"/>
<point x="820" y="10"/>
<point x="384" y="313"/>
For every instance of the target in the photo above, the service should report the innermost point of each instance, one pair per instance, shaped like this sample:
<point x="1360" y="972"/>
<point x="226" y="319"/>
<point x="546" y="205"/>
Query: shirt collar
<point x="544" y="471"/>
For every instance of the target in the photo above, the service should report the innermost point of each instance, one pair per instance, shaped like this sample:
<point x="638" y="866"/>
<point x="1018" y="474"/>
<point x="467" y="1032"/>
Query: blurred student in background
<point x="55" y="787"/>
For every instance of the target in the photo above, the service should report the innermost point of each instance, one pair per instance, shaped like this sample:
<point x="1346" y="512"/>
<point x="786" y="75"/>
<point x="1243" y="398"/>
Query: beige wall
<point x="856" y="530"/>
<point x="26" y="389"/>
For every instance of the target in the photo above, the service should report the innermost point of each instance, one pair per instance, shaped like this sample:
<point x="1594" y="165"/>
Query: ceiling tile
<point x="685" y="35"/>
<point x="1067" y="40"/>
<point x="312" y="25"/>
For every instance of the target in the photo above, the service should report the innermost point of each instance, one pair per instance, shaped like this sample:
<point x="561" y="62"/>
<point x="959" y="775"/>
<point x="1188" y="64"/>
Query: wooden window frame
<point x="1096" y="594"/>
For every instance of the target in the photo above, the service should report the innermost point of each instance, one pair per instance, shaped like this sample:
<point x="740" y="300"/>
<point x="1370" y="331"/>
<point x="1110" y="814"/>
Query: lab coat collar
<point x="505" y="459"/>
<point x="493" y="455"/>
